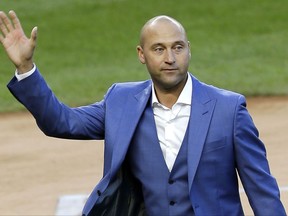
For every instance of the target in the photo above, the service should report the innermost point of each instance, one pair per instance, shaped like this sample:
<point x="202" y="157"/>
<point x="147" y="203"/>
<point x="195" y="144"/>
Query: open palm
<point x="18" y="47"/>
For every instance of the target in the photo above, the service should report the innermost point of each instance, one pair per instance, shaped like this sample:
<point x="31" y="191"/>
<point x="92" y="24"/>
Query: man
<point x="173" y="145"/>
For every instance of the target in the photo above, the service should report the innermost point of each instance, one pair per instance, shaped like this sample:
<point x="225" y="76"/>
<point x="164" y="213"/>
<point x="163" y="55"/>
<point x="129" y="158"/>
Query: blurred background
<point x="86" y="45"/>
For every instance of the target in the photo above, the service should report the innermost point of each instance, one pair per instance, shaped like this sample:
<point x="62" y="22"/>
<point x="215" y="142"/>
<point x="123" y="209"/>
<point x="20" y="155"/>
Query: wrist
<point x="25" y="75"/>
<point x="24" y="68"/>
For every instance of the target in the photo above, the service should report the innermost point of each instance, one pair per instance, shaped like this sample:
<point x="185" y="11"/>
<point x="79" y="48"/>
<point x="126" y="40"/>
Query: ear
<point x="189" y="49"/>
<point x="140" y="54"/>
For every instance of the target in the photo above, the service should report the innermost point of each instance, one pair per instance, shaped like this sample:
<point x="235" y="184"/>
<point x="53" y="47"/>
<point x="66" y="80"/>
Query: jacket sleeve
<point x="252" y="165"/>
<point x="55" y="118"/>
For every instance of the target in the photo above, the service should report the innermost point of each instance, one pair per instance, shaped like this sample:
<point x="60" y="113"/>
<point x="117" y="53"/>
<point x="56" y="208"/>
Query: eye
<point x="178" y="48"/>
<point x="158" y="49"/>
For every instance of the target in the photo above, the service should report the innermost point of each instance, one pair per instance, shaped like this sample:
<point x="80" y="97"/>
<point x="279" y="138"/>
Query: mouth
<point x="169" y="69"/>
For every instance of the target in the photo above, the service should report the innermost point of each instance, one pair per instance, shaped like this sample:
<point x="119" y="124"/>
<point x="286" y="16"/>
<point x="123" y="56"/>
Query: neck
<point x="168" y="97"/>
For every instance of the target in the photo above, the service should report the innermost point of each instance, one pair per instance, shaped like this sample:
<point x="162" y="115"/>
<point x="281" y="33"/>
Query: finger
<point x="33" y="36"/>
<point x="15" y="20"/>
<point x="2" y="26"/>
<point x="7" y="22"/>
<point x="1" y="38"/>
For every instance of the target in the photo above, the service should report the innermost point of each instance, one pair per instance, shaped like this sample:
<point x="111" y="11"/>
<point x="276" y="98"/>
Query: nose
<point x="169" y="58"/>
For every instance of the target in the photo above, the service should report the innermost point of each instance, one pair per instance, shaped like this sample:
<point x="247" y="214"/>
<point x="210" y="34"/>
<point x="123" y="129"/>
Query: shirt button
<point x="172" y="203"/>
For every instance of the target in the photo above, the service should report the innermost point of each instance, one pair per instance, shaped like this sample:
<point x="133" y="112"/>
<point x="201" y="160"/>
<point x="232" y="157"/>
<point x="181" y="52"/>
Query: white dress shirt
<point x="171" y="124"/>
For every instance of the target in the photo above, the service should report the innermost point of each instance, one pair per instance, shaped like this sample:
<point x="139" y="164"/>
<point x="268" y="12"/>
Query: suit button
<point x="99" y="192"/>
<point x="171" y="181"/>
<point x="172" y="203"/>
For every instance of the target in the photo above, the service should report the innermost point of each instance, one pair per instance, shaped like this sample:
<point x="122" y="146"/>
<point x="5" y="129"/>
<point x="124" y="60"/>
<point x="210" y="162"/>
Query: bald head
<point x="165" y="51"/>
<point x="157" y="22"/>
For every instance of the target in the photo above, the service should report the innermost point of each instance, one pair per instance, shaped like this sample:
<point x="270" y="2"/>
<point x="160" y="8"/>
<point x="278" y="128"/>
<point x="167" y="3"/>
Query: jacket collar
<point x="133" y="109"/>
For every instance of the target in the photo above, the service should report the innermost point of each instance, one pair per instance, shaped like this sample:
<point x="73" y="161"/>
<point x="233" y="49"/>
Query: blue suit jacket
<point x="222" y="140"/>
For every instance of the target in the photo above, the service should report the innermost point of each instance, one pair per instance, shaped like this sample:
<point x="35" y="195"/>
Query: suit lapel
<point x="133" y="110"/>
<point x="200" y="117"/>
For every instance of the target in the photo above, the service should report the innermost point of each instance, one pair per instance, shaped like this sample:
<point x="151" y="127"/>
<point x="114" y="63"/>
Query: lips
<point x="169" y="69"/>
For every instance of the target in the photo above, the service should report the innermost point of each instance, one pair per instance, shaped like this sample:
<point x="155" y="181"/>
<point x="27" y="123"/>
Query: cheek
<point x="153" y="62"/>
<point x="184" y="60"/>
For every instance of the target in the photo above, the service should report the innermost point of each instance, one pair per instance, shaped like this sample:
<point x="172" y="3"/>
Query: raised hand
<point x="18" y="47"/>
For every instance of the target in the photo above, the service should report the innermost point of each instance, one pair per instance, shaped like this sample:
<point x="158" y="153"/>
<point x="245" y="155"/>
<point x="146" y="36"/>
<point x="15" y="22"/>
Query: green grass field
<point x="86" y="45"/>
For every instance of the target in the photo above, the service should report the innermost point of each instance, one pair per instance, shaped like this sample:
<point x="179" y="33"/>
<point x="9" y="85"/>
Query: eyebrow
<point x="162" y="44"/>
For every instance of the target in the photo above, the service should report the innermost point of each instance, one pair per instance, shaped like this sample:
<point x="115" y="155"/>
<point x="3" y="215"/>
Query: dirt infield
<point x="36" y="170"/>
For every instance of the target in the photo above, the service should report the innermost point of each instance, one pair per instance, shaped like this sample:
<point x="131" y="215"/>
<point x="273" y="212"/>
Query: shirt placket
<point x="170" y="137"/>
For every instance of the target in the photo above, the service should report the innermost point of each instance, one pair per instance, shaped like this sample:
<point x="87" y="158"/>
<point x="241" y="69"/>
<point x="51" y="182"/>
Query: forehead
<point x="163" y="31"/>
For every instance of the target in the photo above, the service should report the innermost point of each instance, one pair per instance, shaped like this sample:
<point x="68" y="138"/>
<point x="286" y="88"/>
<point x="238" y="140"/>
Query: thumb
<point x="34" y="36"/>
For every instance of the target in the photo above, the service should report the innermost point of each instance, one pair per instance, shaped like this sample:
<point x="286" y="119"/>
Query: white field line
<point x="73" y="204"/>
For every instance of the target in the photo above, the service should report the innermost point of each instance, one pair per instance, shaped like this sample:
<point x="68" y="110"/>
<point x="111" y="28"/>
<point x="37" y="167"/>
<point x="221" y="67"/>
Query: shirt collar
<point x="184" y="98"/>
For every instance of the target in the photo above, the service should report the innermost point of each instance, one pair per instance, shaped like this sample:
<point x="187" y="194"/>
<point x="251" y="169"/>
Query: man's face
<point x="166" y="53"/>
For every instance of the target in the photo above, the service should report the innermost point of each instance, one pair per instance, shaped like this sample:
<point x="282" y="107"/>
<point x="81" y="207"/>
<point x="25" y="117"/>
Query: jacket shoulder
<point x="122" y="90"/>
<point x="130" y="86"/>
<point x="214" y="92"/>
